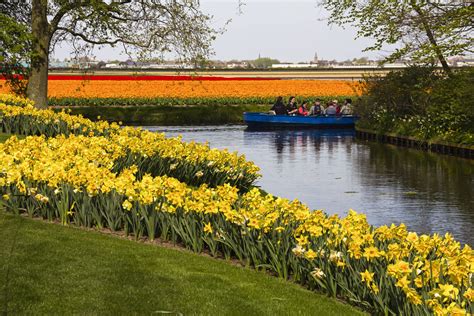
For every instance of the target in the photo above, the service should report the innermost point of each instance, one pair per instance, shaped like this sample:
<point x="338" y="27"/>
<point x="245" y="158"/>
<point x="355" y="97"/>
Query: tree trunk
<point x="37" y="89"/>
<point x="431" y="38"/>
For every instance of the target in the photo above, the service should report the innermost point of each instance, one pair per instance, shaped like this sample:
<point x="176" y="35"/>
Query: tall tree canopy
<point x="425" y="31"/>
<point x="140" y="26"/>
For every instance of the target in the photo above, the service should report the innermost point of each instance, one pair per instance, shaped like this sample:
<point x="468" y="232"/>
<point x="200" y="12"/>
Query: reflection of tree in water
<point x="431" y="177"/>
<point x="441" y="177"/>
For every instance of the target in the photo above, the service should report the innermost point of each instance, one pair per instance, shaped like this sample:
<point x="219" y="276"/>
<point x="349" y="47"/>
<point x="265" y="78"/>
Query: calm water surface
<point x="333" y="171"/>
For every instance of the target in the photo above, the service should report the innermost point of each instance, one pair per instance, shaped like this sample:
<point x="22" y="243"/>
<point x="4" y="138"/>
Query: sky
<point x="287" y="30"/>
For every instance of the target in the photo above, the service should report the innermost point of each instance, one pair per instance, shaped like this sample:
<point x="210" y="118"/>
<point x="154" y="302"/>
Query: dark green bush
<point x="420" y="102"/>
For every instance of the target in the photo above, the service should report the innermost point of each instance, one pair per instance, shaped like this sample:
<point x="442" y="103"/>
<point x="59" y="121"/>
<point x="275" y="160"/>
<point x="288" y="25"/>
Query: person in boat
<point x="292" y="107"/>
<point x="331" y="109"/>
<point x="317" y="108"/>
<point x="302" y="109"/>
<point x="279" y="107"/>
<point x="338" y="107"/>
<point x="347" y="107"/>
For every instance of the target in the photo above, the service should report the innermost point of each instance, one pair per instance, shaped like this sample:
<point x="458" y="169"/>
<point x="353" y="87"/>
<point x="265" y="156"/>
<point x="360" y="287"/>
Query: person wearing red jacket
<point x="302" y="110"/>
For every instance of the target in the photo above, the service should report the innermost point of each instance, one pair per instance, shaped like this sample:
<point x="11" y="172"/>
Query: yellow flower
<point x="403" y="283"/>
<point x="41" y="198"/>
<point x="367" y="276"/>
<point x="310" y="254"/>
<point x="279" y="229"/>
<point x="372" y="252"/>
<point x="208" y="228"/>
<point x="412" y="237"/>
<point x="302" y="240"/>
<point x="374" y="288"/>
<point x="449" y="291"/>
<point x="127" y="205"/>
<point x="340" y="264"/>
<point x="419" y="282"/>
<point x="199" y="174"/>
<point x="413" y="296"/>
<point x="317" y="273"/>
<point x="469" y="295"/>
<point x="399" y="268"/>
<point x="6" y="197"/>
<point x="298" y="251"/>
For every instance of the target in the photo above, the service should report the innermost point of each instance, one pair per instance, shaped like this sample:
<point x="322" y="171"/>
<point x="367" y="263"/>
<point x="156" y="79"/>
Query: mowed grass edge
<point x="47" y="268"/>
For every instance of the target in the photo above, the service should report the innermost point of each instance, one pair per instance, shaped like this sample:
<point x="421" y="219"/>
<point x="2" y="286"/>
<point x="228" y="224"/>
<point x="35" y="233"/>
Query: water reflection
<point x="330" y="170"/>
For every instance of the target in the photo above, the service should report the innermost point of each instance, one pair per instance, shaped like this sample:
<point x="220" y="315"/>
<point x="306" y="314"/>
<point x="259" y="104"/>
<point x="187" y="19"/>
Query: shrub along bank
<point x="422" y="103"/>
<point x="98" y="175"/>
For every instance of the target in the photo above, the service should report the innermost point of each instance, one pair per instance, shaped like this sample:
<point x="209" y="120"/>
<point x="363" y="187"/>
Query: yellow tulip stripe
<point x="192" y="163"/>
<point x="387" y="270"/>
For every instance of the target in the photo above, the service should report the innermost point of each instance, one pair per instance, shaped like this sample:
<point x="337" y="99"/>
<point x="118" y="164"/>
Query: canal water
<point x="333" y="171"/>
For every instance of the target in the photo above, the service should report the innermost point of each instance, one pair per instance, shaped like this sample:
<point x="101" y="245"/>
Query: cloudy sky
<point x="288" y="30"/>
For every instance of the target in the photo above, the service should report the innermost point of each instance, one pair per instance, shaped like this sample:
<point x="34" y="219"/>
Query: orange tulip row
<point x="197" y="89"/>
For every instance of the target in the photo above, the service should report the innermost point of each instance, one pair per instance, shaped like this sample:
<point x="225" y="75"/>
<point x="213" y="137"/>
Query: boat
<point x="266" y="120"/>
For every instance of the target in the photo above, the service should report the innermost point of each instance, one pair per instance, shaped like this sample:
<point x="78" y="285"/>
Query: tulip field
<point x="176" y="90"/>
<point x="101" y="175"/>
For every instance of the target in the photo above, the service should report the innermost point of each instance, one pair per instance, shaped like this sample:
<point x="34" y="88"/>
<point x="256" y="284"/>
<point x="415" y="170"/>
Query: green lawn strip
<point x="4" y="137"/>
<point x="47" y="268"/>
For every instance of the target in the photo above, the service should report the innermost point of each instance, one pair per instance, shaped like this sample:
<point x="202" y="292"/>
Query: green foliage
<point x="174" y="102"/>
<point x="423" y="30"/>
<point x="264" y="62"/>
<point x="15" y="42"/>
<point x="49" y="269"/>
<point x="420" y="102"/>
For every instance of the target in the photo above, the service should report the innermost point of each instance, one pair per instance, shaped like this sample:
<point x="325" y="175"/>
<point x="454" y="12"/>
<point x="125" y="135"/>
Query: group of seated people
<point x="332" y="108"/>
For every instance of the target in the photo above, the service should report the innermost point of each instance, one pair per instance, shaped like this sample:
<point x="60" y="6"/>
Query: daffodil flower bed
<point x="387" y="270"/>
<point x="193" y="163"/>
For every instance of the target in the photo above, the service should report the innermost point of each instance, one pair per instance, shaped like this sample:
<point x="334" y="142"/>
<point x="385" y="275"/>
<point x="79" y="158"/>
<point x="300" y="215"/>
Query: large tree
<point x="139" y="26"/>
<point x="424" y="31"/>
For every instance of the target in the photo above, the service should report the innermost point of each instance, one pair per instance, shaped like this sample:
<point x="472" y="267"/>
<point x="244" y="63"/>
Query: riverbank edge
<point x="167" y="115"/>
<point x="416" y="143"/>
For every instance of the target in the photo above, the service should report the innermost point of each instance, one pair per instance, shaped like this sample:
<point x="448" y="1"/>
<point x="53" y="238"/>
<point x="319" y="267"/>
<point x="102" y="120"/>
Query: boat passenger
<point x="331" y="109"/>
<point x="302" y="110"/>
<point x="338" y="107"/>
<point x="347" y="107"/>
<point x="279" y="107"/>
<point x="292" y="107"/>
<point x="317" y="108"/>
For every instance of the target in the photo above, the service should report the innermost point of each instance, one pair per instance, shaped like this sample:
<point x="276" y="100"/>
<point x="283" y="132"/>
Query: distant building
<point x="111" y="65"/>
<point x="237" y="64"/>
<point x="295" y="66"/>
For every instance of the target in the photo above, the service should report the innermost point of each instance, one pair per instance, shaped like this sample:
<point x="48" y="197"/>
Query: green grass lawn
<point x="4" y="137"/>
<point x="51" y="269"/>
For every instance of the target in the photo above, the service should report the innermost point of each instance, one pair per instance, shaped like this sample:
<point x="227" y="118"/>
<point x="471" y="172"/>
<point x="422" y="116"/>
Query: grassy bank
<point x="46" y="268"/>
<point x="4" y="137"/>
<point x="171" y="111"/>
<point x="169" y="115"/>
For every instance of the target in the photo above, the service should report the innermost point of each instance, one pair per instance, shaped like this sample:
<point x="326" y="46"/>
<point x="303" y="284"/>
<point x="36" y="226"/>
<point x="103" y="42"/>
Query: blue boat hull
<point x="263" y="120"/>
